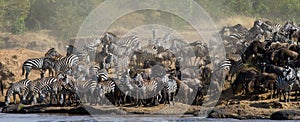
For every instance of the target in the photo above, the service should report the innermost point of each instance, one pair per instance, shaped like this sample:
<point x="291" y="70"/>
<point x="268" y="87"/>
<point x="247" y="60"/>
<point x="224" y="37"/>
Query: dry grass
<point x="230" y="21"/>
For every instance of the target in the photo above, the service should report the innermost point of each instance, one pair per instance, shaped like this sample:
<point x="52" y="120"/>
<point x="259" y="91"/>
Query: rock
<point x="10" y="109"/>
<point x="219" y="113"/>
<point x="285" y="115"/>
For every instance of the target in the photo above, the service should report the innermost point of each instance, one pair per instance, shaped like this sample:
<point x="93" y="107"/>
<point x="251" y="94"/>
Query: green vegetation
<point x="64" y="17"/>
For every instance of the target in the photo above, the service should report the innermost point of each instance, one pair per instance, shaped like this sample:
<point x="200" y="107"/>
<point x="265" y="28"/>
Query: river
<point x="4" y="117"/>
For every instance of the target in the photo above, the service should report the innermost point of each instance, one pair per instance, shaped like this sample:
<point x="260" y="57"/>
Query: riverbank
<point x="237" y="110"/>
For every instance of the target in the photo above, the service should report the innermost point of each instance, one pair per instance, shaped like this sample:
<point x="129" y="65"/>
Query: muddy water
<point x="4" y="117"/>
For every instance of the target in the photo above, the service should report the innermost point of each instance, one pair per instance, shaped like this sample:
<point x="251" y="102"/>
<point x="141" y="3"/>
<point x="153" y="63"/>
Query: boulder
<point x="286" y="115"/>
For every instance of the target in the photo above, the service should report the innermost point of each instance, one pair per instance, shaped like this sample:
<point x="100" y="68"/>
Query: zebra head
<point x="62" y="76"/>
<point x="289" y="74"/>
<point x="166" y="78"/>
<point x="53" y="54"/>
<point x="71" y="84"/>
<point x="139" y="80"/>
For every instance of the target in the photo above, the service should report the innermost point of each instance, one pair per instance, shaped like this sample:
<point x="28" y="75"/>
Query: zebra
<point x="66" y="64"/>
<point x="284" y="83"/>
<point x="106" y="88"/>
<point x="16" y="88"/>
<point x="59" y="88"/>
<point x="86" y="89"/>
<point x="147" y="88"/>
<point x="169" y="90"/>
<point x="36" y="64"/>
<point x="41" y="88"/>
<point x="125" y="86"/>
<point x="30" y="93"/>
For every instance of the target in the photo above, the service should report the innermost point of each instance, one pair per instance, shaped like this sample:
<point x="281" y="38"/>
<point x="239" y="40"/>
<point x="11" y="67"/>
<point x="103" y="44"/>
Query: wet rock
<point x="11" y="108"/>
<point x="220" y="113"/>
<point x="286" y="115"/>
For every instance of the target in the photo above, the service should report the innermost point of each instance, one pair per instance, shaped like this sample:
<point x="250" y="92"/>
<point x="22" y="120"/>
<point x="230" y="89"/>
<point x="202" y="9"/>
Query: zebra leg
<point x="173" y="97"/>
<point x="284" y="95"/>
<point x="279" y="92"/>
<point x="27" y="73"/>
<point x="62" y="99"/>
<point x="125" y="95"/>
<point x="7" y="101"/>
<point x="42" y="74"/>
<point x="169" y="98"/>
<point x="33" y="100"/>
<point x="1" y="84"/>
<point x="156" y="99"/>
<point x="289" y="94"/>
<point x="296" y="93"/>
<point x="14" y="97"/>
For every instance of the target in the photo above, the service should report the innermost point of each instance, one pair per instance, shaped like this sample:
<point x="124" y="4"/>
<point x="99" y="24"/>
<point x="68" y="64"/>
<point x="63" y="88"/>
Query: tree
<point x="16" y="11"/>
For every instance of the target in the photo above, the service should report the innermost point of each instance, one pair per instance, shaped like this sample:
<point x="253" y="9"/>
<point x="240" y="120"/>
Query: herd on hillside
<point x="125" y="71"/>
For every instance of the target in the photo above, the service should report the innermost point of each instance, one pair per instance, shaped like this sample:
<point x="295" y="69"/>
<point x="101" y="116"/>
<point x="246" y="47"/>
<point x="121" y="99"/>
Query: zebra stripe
<point x="236" y="36"/>
<point x="225" y="65"/>
<point x="103" y="75"/>
<point x="66" y="64"/>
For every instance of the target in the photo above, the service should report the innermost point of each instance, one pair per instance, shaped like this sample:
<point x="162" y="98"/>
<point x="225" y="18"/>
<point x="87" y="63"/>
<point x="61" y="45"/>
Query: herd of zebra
<point x="133" y="71"/>
<point x="264" y="58"/>
<point x="118" y="71"/>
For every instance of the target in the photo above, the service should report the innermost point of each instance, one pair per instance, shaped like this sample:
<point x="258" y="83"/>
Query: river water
<point x="4" y="117"/>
